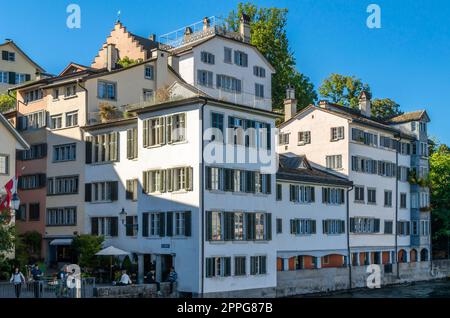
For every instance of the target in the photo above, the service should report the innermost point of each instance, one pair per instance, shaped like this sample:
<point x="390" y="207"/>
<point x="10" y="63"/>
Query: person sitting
<point x="152" y="280"/>
<point x="124" y="279"/>
<point x="173" y="276"/>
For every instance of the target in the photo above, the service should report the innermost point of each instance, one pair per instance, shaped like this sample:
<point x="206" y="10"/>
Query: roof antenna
<point x="118" y="16"/>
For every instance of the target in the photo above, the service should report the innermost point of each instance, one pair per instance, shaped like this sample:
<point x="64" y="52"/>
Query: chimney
<point x="111" y="57"/>
<point x="323" y="104"/>
<point x="365" y="106"/>
<point x="244" y="28"/>
<point x="290" y="103"/>
<point x="187" y="34"/>
<point x="152" y="37"/>
<point x="206" y="23"/>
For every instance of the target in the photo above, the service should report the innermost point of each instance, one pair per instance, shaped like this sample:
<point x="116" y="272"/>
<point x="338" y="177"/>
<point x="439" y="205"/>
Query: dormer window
<point x="207" y="57"/>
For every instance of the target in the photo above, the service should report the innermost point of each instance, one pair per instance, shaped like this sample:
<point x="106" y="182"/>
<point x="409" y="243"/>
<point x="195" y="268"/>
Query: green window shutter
<point x="94" y="226"/>
<point x="169" y="224"/>
<point x="114" y="186"/>
<point x="162" y="226"/>
<point x="190" y="181"/>
<point x="188" y="223"/>
<point x="129" y="226"/>
<point x="227" y="266"/>
<point x="324" y="227"/>
<point x="313" y="226"/>
<point x="12" y="78"/>
<point x="114" y="226"/>
<point x="88" y="192"/>
<point x="88" y="145"/>
<point x="269" y="227"/>
<point x="145" y="224"/>
<point x="208" y="226"/>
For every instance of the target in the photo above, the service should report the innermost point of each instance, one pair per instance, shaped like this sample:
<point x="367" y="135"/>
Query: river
<point x="429" y="289"/>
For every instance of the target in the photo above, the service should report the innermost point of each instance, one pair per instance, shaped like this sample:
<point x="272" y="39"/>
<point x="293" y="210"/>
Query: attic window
<point x="8" y="56"/>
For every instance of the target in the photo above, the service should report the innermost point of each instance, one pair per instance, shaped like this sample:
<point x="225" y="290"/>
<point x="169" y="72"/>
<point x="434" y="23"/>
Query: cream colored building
<point x="16" y="67"/>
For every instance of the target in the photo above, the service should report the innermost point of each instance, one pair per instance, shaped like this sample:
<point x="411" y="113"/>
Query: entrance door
<point x="166" y="264"/>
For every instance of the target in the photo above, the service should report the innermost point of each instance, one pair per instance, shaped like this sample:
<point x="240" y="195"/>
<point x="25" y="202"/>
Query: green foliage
<point x="28" y="247"/>
<point x="86" y="246"/>
<point x="268" y="35"/>
<point x="7" y="102"/>
<point x="343" y="90"/>
<point x="385" y="108"/>
<point x="126" y="62"/>
<point x="7" y="239"/>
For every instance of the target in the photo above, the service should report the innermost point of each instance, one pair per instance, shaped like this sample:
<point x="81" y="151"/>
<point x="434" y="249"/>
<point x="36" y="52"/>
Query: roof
<point x="297" y="168"/>
<point x="14" y="132"/>
<point x="111" y="123"/>
<point x="353" y="115"/>
<point x="411" y="116"/>
<point x="10" y="42"/>
<point x="147" y="44"/>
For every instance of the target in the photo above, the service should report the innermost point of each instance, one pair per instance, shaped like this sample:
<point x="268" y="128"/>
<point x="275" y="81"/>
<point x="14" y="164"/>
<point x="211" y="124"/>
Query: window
<point x="33" y="121"/>
<point x="131" y="190"/>
<point x="364" y="165"/>
<point x="62" y="216"/>
<point x="279" y="192"/>
<point x="260" y="221"/>
<point x="337" y="133"/>
<point x="402" y="200"/>
<point x="424" y="227"/>
<point x="205" y="78"/>
<point x="147" y="95"/>
<point x="259" y="71"/>
<point x="207" y="57"/>
<point x="371" y="196"/>
<point x="102" y="148"/>
<point x="101" y="192"/>
<point x="283" y="139"/>
<point x="259" y="90"/>
<point x="415" y="228"/>
<point x="55" y="93"/>
<point x="236" y="130"/>
<point x="388" y="227"/>
<point x="304" y="137"/>
<point x="4" y="164"/>
<point x="56" y="121"/>
<point x="33" y="95"/>
<point x="218" y="267"/>
<point x="21" y="78"/>
<point x="217" y="124"/>
<point x="403" y="174"/>
<point x="70" y="91"/>
<point x="403" y="228"/>
<point x="62" y="185"/>
<point x="8" y="56"/>
<point x="387" y="169"/>
<point x="359" y="194"/>
<point x="106" y="90"/>
<point x="22" y="213"/>
<point x="367" y="138"/>
<point x="279" y="226"/>
<point x="413" y="126"/>
<point x="131" y="225"/>
<point x="423" y="149"/>
<point x="239" y="266"/>
<point x="303" y="226"/>
<point x="228" y="83"/>
<point x="387" y="198"/>
<point x="105" y="226"/>
<point x="170" y="129"/>
<point x="176" y="128"/>
<point x="216" y="226"/>
<point x="214" y="176"/>
<point x="34" y="214"/>
<point x="364" y="225"/>
<point x="240" y="58"/>
<point x="29" y="182"/>
<point x="64" y="153"/>
<point x="333" y="196"/>
<point x="258" y="265"/>
<point x="180" y="221"/>
<point x="149" y="72"/>
<point x="405" y="148"/>
<point x="422" y="127"/>
<point x="154" y="132"/>
<point x="414" y="200"/>
<point x="4" y="77"/>
<point x="333" y="227"/>
<point x="132" y="143"/>
<point x="227" y="55"/>
<point x="170" y="180"/>
<point x="424" y="200"/>
<point x="334" y="162"/>
<point x="72" y="119"/>
<point x="302" y="194"/>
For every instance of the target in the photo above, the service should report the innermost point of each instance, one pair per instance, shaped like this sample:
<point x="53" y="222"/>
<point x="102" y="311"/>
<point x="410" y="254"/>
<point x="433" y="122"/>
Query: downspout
<point x="86" y="117"/>
<point x="396" y="208"/>
<point x="349" y="260"/>
<point x="202" y="200"/>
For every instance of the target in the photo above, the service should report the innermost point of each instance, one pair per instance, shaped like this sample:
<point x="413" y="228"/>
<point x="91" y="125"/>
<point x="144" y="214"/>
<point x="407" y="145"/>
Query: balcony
<point x="197" y="31"/>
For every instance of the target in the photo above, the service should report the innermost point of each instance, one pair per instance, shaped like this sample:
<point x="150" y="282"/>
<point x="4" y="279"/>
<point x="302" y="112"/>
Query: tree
<point x="7" y="239"/>
<point x="7" y="102"/>
<point x="268" y="35"/>
<point x="385" y="108"/>
<point x="343" y="90"/>
<point x="126" y="61"/>
<point x="86" y="246"/>
<point x="440" y="196"/>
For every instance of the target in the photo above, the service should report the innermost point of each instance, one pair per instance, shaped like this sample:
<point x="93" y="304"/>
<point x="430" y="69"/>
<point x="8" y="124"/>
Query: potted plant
<point x="107" y="112"/>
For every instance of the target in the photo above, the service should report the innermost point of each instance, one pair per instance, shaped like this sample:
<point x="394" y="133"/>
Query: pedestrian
<point x="37" y="274"/>
<point x="151" y="279"/>
<point x="124" y="279"/>
<point x="17" y="279"/>
<point x="61" y="278"/>
<point x="173" y="276"/>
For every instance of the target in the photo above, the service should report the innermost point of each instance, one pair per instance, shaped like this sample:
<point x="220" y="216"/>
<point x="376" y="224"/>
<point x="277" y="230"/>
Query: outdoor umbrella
<point x="112" y="251"/>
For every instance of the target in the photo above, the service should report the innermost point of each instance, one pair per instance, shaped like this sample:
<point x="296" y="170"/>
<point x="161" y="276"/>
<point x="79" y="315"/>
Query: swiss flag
<point x="6" y="202"/>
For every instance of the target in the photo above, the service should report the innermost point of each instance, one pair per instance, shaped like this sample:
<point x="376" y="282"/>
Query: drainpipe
<point x="349" y="260"/>
<point x="86" y="101"/>
<point x="202" y="199"/>
<point x="396" y="207"/>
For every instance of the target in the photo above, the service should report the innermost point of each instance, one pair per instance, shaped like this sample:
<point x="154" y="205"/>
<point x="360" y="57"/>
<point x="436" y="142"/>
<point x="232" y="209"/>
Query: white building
<point x="377" y="157"/>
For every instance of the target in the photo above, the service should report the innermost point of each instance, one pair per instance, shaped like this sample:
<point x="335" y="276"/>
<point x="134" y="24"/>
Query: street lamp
<point x="15" y="203"/>
<point x="123" y="216"/>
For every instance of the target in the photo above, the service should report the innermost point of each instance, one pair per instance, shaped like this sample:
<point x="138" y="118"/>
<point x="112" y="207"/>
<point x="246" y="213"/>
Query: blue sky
<point x="407" y="60"/>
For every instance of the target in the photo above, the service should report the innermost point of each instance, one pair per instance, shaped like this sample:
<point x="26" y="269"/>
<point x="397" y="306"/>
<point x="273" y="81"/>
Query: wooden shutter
<point x="292" y="226"/>
<point x="114" y="188"/>
<point x="313" y="226"/>
<point x="269" y="227"/>
<point x="352" y="225"/>
<point x="228" y="226"/>
<point x="130" y="145"/>
<point x="376" y="225"/>
<point x="210" y="267"/>
<point x="12" y="78"/>
<point x="188" y="223"/>
<point x="162" y="180"/>
<point x="169" y="223"/>
<point x="189" y="175"/>
<point x="208" y="178"/>
<point x="208" y="226"/>
<point x="324" y="227"/>
<point x="251" y="220"/>
<point x="88" y="144"/>
<point x="42" y="178"/>
<point x="145" y="182"/>
<point x="94" y="226"/>
<point x="342" y="227"/>
<point x="88" y="192"/>
<point x="145" y="132"/>
<point x="5" y="55"/>
<point x="268" y="184"/>
<point x="227" y="266"/>
<point x="145" y="224"/>
<point x="27" y="77"/>
<point x="129" y="225"/>
<point x="162" y="224"/>
<point x="313" y="194"/>
<point x="114" y="226"/>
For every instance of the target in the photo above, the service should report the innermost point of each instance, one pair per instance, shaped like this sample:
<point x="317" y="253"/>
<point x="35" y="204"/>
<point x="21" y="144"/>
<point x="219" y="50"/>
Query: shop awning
<point x="61" y="242"/>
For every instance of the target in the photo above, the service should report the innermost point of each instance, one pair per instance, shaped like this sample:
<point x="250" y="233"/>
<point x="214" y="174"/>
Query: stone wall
<point x="324" y="280"/>
<point x="136" y="291"/>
